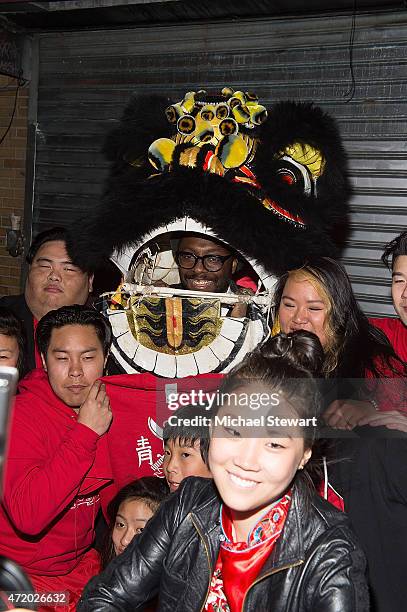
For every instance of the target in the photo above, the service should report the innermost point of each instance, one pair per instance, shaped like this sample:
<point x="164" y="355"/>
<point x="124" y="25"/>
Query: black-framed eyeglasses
<point x="211" y="263"/>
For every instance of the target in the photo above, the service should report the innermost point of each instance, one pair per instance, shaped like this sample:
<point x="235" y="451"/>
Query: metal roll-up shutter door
<point x="86" y="78"/>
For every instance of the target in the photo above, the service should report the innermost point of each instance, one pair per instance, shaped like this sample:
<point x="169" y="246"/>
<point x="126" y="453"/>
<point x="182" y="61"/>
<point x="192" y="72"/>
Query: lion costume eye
<point x="292" y="174"/>
<point x="227" y="127"/>
<point x="286" y="177"/>
<point x="207" y="114"/>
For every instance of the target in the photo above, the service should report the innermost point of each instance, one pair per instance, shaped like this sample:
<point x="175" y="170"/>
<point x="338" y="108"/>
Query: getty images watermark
<point x="207" y="400"/>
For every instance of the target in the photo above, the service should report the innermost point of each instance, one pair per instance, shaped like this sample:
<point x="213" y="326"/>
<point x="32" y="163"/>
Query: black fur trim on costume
<point x="291" y="122"/>
<point x="133" y="205"/>
<point x="142" y="122"/>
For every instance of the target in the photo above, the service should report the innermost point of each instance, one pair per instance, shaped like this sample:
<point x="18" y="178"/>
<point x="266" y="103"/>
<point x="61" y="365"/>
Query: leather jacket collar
<point x="288" y="551"/>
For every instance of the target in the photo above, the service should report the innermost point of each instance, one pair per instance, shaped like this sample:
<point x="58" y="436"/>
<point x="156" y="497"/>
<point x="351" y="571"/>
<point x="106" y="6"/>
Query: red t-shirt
<point x="396" y="332"/>
<point x="391" y="390"/>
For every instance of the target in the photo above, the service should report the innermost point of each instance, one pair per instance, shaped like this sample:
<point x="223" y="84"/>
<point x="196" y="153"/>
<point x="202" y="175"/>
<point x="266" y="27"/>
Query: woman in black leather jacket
<point x="257" y="537"/>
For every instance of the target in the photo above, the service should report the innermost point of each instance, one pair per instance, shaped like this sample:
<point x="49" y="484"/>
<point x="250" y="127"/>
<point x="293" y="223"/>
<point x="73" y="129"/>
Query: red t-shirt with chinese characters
<point x="139" y="407"/>
<point x="58" y="471"/>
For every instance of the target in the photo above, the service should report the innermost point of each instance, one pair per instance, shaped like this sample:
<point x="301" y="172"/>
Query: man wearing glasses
<point x="205" y="265"/>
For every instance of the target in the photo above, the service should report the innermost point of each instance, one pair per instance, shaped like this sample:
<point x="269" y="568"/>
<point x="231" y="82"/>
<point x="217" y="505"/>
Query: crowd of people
<point x="254" y="526"/>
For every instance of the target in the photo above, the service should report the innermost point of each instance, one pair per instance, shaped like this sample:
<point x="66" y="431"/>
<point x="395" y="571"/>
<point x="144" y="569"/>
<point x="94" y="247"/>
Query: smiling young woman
<point x="319" y="298"/>
<point x="257" y="536"/>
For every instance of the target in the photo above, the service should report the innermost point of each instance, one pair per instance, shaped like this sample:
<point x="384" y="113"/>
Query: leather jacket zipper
<point x="270" y="573"/>
<point x="209" y="562"/>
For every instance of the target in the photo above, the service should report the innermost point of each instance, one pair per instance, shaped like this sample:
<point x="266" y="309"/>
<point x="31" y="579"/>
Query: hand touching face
<point x="74" y="361"/>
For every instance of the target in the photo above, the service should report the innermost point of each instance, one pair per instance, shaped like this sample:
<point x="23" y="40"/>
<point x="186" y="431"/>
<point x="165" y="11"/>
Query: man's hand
<point x="393" y="419"/>
<point x="95" y="411"/>
<point x="239" y="309"/>
<point x="347" y="414"/>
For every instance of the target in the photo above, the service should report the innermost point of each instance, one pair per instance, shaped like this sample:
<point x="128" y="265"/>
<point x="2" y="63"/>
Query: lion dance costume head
<point x="268" y="184"/>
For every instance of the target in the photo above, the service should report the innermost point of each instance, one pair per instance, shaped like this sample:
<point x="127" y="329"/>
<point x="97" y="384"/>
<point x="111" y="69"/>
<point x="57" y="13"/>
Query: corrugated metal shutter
<point x="86" y="78"/>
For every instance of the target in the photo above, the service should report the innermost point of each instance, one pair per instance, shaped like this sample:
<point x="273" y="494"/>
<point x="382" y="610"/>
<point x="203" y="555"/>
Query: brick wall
<point x="12" y="176"/>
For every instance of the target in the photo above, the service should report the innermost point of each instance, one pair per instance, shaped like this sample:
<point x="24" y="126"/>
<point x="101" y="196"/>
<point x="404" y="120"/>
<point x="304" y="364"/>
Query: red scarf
<point x="239" y="563"/>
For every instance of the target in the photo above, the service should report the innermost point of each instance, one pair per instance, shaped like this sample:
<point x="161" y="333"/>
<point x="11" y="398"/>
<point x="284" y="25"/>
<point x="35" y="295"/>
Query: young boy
<point x="186" y="446"/>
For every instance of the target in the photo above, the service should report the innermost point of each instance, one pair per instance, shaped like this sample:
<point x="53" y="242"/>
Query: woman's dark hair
<point x="73" y="315"/>
<point x="10" y="325"/>
<point x="392" y="250"/>
<point x="288" y="364"/>
<point x="355" y="345"/>
<point x="150" y="490"/>
<point x="187" y="435"/>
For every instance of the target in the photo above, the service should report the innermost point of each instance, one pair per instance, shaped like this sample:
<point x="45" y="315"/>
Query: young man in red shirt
<point x="58" y="461"/>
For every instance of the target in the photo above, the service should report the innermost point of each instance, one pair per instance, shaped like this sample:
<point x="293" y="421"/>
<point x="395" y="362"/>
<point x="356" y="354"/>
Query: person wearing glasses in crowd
<point x="207" y="265"/>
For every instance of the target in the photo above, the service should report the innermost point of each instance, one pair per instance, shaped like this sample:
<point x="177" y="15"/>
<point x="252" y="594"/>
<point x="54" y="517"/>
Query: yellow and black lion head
<point x="271" y="183"/>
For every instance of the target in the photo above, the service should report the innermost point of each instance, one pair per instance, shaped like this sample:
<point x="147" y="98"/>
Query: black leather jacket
<point x="315" y="566"/>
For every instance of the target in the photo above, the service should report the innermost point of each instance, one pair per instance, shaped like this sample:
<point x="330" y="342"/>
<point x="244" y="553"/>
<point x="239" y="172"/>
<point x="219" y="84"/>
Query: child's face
<point x="181" y="461"/>
<point x="252" y="467"/>
<point x="8" y="351"/>
<point x="131" y="518"/>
